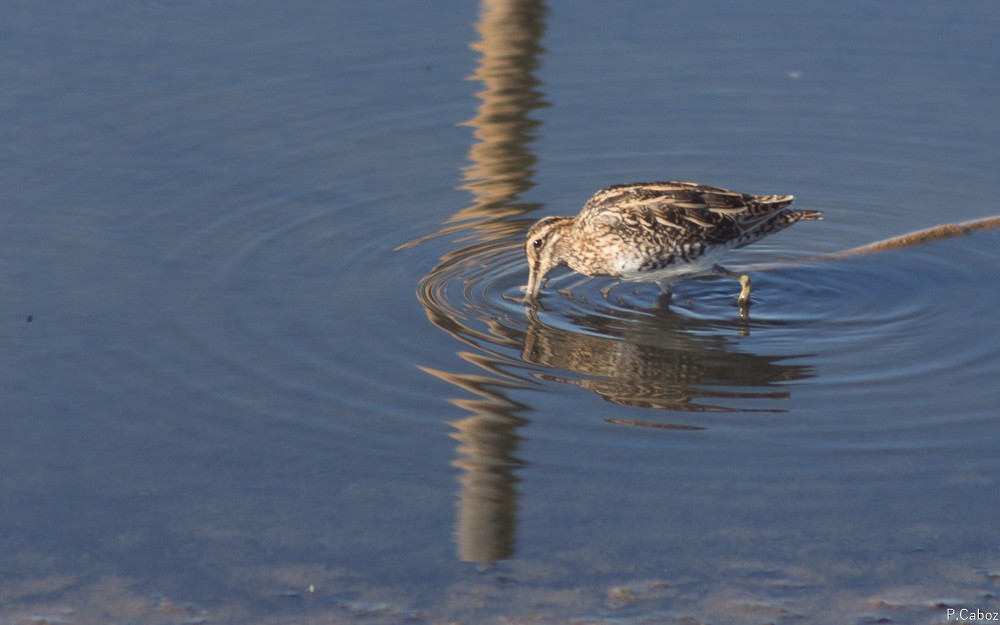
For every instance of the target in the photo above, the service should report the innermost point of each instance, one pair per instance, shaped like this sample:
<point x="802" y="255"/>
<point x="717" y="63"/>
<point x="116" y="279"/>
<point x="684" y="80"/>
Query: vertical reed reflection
<point x="501" y="169"/>
<point x="488" y="441"/>
<point x="502" y="163"/>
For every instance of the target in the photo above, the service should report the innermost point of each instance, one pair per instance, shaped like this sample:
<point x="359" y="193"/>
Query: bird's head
<point x="543" y="248"/>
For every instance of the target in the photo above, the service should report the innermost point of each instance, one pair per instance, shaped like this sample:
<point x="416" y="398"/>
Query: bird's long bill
<point x="534" y="285"/>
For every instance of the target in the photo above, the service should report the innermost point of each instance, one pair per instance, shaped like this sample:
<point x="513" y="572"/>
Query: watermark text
<point x="965" y="614"/>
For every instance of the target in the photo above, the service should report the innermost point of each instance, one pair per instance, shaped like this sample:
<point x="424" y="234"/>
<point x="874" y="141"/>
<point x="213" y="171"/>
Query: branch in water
<point x="927" y="235"/>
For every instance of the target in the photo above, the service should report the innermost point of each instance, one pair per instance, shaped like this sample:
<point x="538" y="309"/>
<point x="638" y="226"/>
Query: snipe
<point x="656" y="232"/>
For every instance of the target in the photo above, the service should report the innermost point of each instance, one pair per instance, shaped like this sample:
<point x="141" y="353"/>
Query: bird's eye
<point x="537" y="243"/>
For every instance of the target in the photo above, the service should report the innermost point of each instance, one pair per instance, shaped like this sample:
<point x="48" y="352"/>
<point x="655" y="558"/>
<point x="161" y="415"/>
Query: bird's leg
<point x="666" y="294"/>
<point x="607" y="290"/>
<point x="744" y="297"/>
<point x="567" y="291"/>
<point x="743" y="301"/>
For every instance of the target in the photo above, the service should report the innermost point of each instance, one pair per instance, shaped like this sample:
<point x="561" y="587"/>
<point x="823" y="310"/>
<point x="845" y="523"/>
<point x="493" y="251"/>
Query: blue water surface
<point x="265" y="361"/>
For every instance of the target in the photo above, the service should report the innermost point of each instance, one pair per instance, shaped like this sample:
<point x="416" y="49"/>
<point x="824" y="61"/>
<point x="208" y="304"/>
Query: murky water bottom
<point x="265" y="359"/>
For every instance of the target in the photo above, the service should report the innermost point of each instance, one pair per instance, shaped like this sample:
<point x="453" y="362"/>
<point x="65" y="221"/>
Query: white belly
<point x="631" y="268"/>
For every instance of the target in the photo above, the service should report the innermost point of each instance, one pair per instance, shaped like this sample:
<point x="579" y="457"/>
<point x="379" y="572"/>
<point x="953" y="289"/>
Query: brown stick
<point x="927" y="235"/>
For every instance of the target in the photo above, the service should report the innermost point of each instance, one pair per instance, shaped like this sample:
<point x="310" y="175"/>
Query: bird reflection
<point x="656" y="362"/>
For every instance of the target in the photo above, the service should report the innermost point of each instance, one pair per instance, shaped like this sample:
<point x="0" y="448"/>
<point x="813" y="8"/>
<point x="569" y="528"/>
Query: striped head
<point x="544" y="249"/>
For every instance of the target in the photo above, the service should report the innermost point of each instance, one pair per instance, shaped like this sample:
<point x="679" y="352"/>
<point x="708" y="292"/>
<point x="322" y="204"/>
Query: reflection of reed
<point x="502" y="164"/>
<point x="487" y="503"/>
<point x="665" y="367"/>
<point x="501" y="170"/>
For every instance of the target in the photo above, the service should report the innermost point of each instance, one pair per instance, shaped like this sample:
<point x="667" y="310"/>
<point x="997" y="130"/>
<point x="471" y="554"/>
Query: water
<point x="264" y="360"/>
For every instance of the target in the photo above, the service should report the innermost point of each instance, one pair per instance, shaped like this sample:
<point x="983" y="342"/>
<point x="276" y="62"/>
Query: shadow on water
<point x="625" y="354"/>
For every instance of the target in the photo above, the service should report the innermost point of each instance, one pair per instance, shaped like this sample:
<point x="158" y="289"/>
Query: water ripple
<point x="623" y="342"/>
<point x="624" y="347"/>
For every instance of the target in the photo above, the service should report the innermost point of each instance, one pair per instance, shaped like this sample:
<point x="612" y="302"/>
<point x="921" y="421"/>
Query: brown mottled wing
<point x="709" y="214"/>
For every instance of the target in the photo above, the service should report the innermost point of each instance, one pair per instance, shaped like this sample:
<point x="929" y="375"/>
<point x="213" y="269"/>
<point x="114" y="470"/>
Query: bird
<point x="656" y="232"/>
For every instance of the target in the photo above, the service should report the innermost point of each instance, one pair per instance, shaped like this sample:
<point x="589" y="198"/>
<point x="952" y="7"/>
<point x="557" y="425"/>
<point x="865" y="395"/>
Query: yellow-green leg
<point x="743" y="300"/>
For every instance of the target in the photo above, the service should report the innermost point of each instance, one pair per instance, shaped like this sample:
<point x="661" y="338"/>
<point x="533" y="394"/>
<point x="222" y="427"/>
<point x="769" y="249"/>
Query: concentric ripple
<point x="623" y="345"/>
<point x="694" y="353"/>
<point x="471" y="291"/>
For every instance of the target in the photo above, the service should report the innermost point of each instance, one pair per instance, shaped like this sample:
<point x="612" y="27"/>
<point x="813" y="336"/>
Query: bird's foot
<point x="743" y="301"/>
